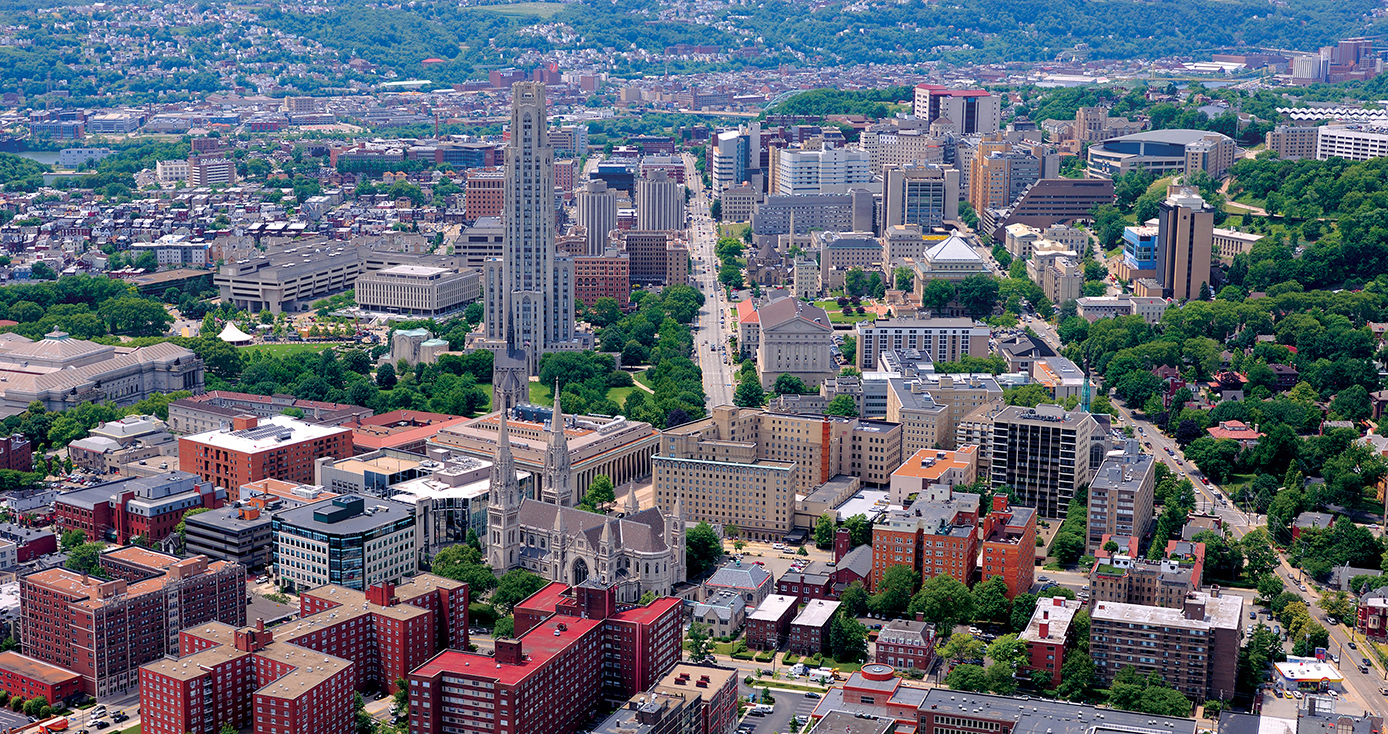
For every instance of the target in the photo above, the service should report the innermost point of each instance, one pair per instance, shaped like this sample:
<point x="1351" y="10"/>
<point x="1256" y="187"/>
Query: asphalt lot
<point x="788" y="704"/>
<point x="11" y="720"/>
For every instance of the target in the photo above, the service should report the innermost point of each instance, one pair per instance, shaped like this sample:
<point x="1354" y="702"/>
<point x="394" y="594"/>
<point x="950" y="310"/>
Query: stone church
<point x="639" y="552"/>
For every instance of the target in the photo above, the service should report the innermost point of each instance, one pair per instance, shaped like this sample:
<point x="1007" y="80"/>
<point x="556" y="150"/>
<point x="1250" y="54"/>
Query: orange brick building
<point x="486" y="189"/>
<point x="1009" y="545"/>
<point x="937" y="534"/>
<point x="278" y="447"/>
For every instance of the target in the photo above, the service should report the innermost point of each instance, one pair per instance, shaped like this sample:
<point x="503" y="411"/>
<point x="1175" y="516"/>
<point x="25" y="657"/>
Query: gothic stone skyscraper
<point x="529" y="289"/>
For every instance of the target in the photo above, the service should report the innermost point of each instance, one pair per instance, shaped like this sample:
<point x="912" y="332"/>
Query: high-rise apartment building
<point x="1045" y="454"/>
<point x="923" y="195"/>
<point x="104" y="630"/>
<point x="603" y="276"/>
<point x="999" y="174"/>
<point x="1121" y="496"/>
<point x="1185" y="243"/>
<point x="659" y="202"/>
<point x="595" y="208"/>
<point x="573" y="654"/>
<point x="301" y="678"/>
<point x="1194" y="648"/>
<point x="971" y="110"/>
<point x="210" y="171"/>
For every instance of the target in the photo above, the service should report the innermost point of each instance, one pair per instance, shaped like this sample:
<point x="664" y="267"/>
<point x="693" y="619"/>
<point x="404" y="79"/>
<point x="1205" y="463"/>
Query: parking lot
<point x="788" y="704"/>
<point x="11" y="720"/>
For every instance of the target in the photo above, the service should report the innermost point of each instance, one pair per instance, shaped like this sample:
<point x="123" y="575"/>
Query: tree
<point x="1023" y="605"/>
<point x="1337" y="604"/>
<point x="990" y="601"/>
<point x="505" y="627"/>
<point x="859" y="530"/>
<point x="600" y="491"/>
<point x="749" y="393"/>
<point x="1352" y="403"/>
<point x="937" y="295"/>
<point x="515" y="586"/>
<point x="824" y="531"/>
<point x="854" y="599"/>
<point x="702" y="549"/>
<point x="789" y="384"/>
<point x="1008" y="650"/>
<point x="944" y="601"/>
<point x="1067" y="547"/>
<point x="894" y="591"/>
<point x="904" y="278"/>
<point x="842" y="405"/>
<point x="133" y="316"/>
<point x="1078" y="678"/>
<point x="962" y="646"/>
<point x="968" y="677"/>
<point x="978" y="294"/>
<point x="73" y="538"/>
<point x="385" y="376"/>
<point x="696" y="641"/>
<point x="85" y="559"/>
<point x="847" y="638"/>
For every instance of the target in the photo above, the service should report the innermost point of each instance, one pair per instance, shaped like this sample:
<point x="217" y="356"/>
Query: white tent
<point x="233" y="335"/>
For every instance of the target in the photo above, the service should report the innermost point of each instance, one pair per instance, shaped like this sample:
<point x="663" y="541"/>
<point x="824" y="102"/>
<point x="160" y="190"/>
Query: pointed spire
<point x="605" y="543"/>
<point x="556" y="424"/>
<point x="504" y="487"/>
<point x="631" y="506"/>
<point x="558" y="478"/>
<point x="559" y="521"/>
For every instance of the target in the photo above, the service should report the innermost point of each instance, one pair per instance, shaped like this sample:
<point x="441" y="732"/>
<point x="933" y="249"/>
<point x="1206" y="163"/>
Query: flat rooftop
<point x="539" y="646"/>
<point x="271" y="433"/>
<point x="1222" y="612"/>
<point x="35" y="669"/>
<point x="817" y="613"/>
<point x="311" y="516"/>
<point x="774" y="607"/>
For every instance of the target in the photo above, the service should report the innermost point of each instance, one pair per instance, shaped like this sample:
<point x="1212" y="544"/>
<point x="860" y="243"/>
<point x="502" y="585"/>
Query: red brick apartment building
<point x="26" y="677"/>
<point x="278" y="447"/>
<point x="1048" y="635"/>
<point x="1009" y="545"/>
<point x="905" y="644"/>
<point x="937" y="534"/>
<point x="485" y="190"/>
<point x="301" y="677"/>
<point x="127" y="508"/>
<point x="574" y="649"/>
<point x="103" y="630"/>
<point x="16" y="454"/>
<point x="599" y="276"/>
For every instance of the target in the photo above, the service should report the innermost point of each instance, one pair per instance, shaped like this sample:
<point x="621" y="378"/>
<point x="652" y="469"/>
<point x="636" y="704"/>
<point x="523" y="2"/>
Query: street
<point x="711" y="336"/>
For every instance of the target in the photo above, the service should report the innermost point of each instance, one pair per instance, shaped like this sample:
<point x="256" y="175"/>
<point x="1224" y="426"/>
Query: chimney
<point x="920" y="616"/>
<point x="259" y="624"/>
<point x="1045" y="630"/>
<point x="1045" y="614"/>
<point x="1057" y="601"/>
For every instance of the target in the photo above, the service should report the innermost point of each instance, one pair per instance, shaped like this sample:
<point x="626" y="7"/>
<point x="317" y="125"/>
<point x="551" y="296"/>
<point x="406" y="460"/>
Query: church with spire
<point x="638" y="551"/>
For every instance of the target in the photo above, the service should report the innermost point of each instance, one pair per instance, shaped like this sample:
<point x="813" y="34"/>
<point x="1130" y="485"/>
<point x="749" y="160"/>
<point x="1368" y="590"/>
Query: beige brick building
<point x="744" y="466"/>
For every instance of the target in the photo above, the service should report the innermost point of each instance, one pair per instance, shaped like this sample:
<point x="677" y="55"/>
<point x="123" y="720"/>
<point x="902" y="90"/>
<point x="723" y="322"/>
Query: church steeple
<point x="503" y="505"/>
<point x="558" y="469"/>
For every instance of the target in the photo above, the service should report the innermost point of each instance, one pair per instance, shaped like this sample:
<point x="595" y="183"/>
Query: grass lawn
<point x="284" y="350"/>
<point x="643" y="379"/>
<point x="540" y="394"/>
<point x="543" y="10"/>
<point x="487" y="388"/>
<point x="1236" y="482"/>
<point x="735" y="229"/>
<point x="619" y="395"/>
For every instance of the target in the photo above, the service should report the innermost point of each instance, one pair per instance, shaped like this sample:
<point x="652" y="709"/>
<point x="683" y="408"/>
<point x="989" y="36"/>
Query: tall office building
<point x="1185" y="241"/>
<point x="971" y="110"/>
<point x="659" y="202"/>
<point x="1045" y="453"/>
<point x="925" y="195"/>
<point x="529" y="289"/>
<point x="596" y="209"/>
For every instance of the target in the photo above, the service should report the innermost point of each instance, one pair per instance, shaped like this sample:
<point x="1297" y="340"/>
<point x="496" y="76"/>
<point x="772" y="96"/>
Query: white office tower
<point x="659" y="203"/>
<point x="596" y="209"/>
